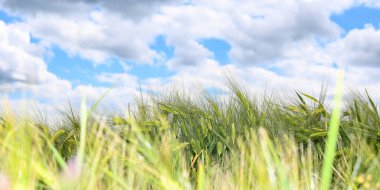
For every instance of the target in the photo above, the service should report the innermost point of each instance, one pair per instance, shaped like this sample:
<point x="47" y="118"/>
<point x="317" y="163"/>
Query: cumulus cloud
<point x="96" y="30"/>
<point x="65" y="7"/>
<point x="261" y="39"/>
<point x="99" y="38"/>
<point x="132" y="9"/>
<point x="18" y="63"/>
<point x="137" y="9"/>
<point x="259" y="31"/>
<point x="359" y="48"/>
<point x="273" y="43"/>
<point x="189" y="53"/>
<point x="22" y="66"/>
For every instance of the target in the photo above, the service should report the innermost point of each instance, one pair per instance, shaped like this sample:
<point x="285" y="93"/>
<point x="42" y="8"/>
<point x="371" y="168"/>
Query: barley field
<point x="174" y="141"/>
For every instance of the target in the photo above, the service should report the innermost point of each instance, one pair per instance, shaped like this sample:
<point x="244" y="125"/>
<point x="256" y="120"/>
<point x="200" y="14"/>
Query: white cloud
<point x="264" y="39"/>
<point x="66" y="7"/>
<point x="23" y="69"/>
<point x="19" y="62"/>
<point x="119" y="79"/>
<point x="98" y="38"/>
<point x="359" y="48"/>
<point x="258" y="32"/>
<point x="137" y="9"/>
<point x="275" y="44"/>
<point x="130" y="8"/>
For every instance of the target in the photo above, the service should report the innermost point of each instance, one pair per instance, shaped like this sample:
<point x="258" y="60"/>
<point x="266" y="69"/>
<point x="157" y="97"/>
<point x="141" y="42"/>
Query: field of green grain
<point x="175" y="141"/>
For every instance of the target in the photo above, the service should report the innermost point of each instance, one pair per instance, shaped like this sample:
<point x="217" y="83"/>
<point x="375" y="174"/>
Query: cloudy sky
<point x="52" y="51"/>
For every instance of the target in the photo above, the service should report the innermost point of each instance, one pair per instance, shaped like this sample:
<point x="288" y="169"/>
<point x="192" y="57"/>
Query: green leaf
<point x="357" y="111"/>
<point x="330" y="150"/>
<point x="300" y="97"/>
<point x="372" y="103"/>
<point x="310" y="97"/>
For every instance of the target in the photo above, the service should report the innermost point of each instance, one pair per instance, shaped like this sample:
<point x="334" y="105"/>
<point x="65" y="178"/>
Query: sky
<point x="55" y="51"/>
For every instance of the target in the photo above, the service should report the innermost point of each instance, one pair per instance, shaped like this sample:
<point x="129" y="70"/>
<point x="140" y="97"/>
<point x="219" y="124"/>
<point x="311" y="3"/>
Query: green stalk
<point x="83" y="123"/>
<point x="201" y="178"/>
<point x="332" y="137"/>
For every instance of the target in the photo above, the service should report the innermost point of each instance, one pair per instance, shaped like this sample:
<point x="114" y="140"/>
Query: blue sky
<point x="80" y="71"/>
<point x="8" y="18"/>
<point x="357" y="18"/>
<point x="89" y="49"/>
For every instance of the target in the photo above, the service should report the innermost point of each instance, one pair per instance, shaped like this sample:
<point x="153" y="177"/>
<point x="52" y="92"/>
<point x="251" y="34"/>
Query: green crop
<point x="178" y="141"/>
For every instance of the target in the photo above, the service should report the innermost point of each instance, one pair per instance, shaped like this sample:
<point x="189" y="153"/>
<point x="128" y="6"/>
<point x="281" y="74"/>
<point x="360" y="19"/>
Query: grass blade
<point x="332" y="138"/>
